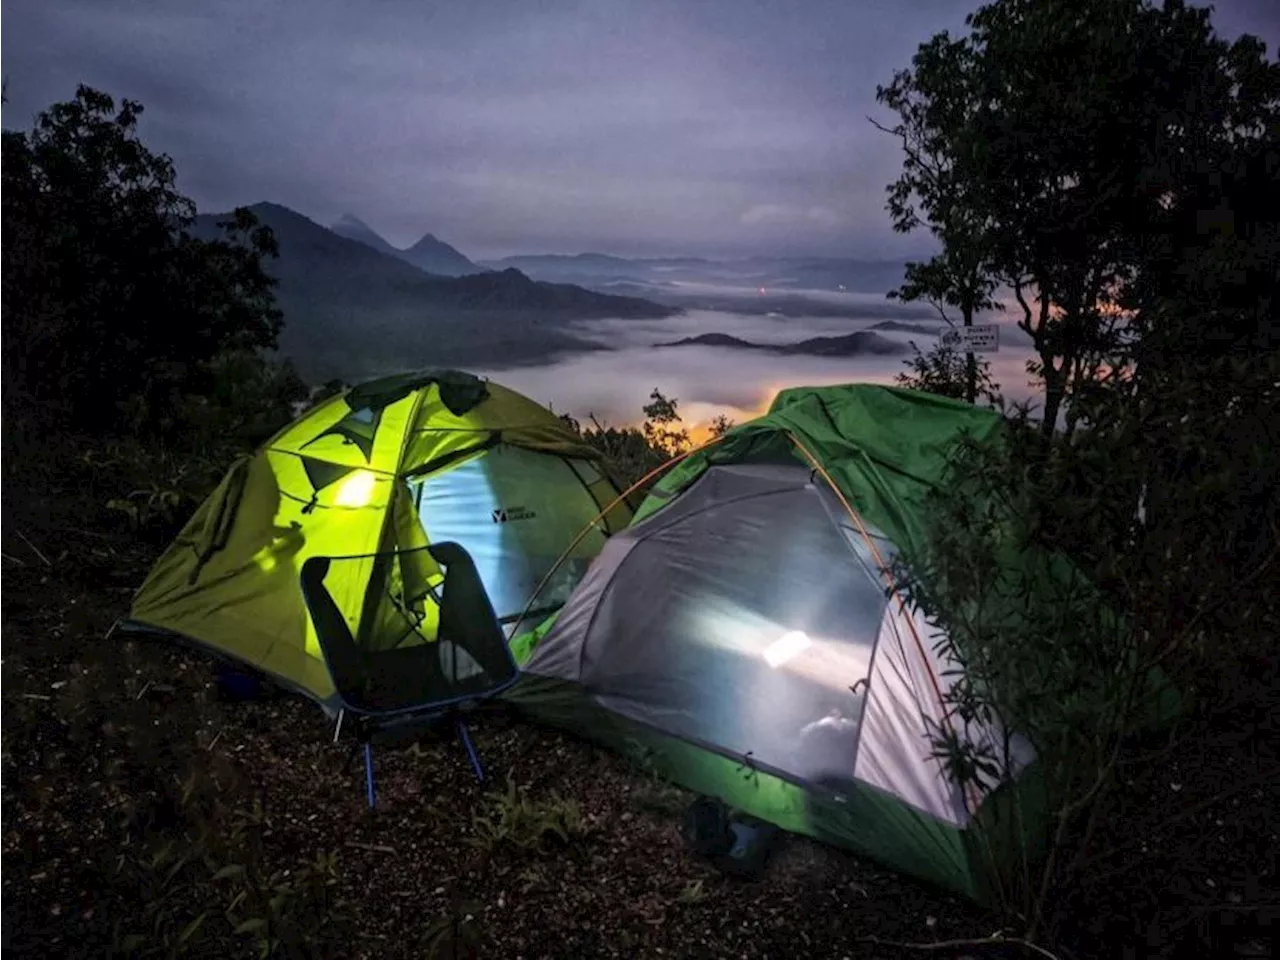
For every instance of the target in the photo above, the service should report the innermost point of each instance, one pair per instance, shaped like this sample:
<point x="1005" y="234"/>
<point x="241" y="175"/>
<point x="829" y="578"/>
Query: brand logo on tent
<point x="512" y="513"/>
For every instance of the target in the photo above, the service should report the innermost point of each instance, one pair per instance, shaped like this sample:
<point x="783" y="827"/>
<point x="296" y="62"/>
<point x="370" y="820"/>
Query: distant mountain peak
<point x="435" y="256"/>
<point x="351" y="220"/>
<point x="429" y="254"/>
<point x="353" y="228"/>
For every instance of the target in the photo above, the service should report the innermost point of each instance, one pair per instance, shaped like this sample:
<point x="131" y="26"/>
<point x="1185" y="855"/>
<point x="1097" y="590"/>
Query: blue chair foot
<point x="471" y="751"/>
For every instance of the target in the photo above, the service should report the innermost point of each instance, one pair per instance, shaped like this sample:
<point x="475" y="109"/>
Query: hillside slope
<point x="351" y="311"/>
<point x="862" y="343"/>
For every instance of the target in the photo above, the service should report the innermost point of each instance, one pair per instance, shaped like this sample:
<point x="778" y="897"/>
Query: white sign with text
<point x="980" y="338"/>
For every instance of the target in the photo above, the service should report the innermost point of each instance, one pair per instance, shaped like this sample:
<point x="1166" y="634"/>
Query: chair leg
<point x="471" y="750"/>
<point x="368" y="774"/>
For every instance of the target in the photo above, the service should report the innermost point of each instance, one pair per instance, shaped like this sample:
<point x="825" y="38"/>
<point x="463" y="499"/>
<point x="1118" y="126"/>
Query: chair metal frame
<point x="369" y="722"/>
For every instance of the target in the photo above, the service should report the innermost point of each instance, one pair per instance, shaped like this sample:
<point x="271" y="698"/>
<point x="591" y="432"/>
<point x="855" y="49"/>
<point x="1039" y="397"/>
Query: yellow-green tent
<point x="390" y="465"/>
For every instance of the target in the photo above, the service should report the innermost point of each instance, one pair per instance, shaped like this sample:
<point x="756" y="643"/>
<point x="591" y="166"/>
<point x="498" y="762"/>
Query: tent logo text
<point x="506" y="515"/>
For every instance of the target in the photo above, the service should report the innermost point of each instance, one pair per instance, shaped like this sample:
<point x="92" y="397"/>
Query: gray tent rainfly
<point x="742" y="634"/>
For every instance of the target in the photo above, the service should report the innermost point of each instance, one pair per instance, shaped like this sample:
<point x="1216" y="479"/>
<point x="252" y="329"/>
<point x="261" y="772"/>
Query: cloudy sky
<point x="647" y="127"/>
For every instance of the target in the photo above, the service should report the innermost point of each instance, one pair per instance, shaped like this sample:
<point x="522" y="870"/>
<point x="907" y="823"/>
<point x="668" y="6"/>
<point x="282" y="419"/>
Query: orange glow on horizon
<point x="699" y="429"/>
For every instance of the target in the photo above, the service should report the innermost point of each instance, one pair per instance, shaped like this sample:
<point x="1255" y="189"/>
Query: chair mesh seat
<point x="387" y="665"/>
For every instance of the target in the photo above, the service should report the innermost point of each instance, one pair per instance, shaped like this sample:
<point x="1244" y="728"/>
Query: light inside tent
<point x="830" y="662"/>
<point x="356" y="490"/>
<point x="516" y="512"/>
<point x="746" y="620"/>
<point x="789" y="697"/>
<point x="786" y="647"/>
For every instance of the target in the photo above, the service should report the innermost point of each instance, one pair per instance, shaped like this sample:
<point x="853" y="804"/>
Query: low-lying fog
<point x="614" y="383"/>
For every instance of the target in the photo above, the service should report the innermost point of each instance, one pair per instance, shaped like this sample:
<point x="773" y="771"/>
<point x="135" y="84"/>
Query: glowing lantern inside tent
<point x="356" y="490"/>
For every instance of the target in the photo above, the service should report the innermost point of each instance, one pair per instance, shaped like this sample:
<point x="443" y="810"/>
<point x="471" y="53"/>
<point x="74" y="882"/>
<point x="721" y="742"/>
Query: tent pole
<point x="600" y="516"/>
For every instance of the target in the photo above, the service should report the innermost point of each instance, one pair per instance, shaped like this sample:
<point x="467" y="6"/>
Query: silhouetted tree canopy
<point x="1117" y="164"/>
<point x="112" y="310"/>
<point x="1056" y="146"/>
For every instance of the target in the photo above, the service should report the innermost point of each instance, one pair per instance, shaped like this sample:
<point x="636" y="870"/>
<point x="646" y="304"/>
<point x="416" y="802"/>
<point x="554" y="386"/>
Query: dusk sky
<point x="715" y="127"/>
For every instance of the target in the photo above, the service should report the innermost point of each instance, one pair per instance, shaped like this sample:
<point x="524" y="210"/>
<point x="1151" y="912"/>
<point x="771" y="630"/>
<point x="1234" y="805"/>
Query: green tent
<point x="389" y="466"/>
<point x="741" y="635"/>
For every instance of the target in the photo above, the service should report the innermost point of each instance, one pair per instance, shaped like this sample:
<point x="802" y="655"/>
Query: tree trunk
<point x="1054" y="392"/>
<point x="971" y="374"/>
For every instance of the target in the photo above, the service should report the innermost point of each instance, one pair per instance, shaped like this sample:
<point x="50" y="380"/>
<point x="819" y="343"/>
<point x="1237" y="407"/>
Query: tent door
<point x="515" y="511"/>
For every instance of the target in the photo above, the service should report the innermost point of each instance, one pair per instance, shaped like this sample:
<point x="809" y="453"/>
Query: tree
<point x="113" y="310"/>
<point x="944" y="371"/>
<point x="1052" y="126"/>
<point x="660" y="430"/>
<point x="1130" y="158"/>
<point x="929" y="193"/>
<point x="959" y="279"/>
<point x="720" y="425"/>
<point x="30" y="311"/>
<point x="635" y="453"/>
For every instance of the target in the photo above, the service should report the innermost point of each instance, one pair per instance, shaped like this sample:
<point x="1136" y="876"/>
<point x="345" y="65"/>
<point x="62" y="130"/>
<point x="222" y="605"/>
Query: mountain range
<point x="353" y="310"/>
<point x="429" y="254"/>
<point x="792" y="273"/>
<point x="862" y="343"/>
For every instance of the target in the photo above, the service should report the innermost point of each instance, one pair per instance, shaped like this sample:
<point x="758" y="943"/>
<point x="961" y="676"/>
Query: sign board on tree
<point x="980" y="338"/>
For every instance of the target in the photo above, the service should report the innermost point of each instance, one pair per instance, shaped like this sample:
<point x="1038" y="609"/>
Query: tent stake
<point x="368" y="773"/>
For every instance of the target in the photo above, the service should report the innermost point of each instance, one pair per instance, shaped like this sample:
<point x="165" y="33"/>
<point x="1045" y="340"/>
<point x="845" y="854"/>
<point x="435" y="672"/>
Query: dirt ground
<point x="144" y="815"/>
<point x="114" y="749"/>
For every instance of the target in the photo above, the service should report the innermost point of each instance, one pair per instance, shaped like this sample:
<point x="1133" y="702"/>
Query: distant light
<point x="762" y="291"/>
<point x="356" y="490"/>
<point x="786" y="647"/>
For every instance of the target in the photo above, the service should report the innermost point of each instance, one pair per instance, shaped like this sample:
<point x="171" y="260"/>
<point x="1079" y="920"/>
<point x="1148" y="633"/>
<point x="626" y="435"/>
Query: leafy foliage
<point x="1061" y="135"/>
<point x="963" y="275"/>
<point x="947" y="372"/>
<point x="218" y="861"/>
<point x="720" y="425"/>
<point x="1093" y="584"/>
<point x="113" y="310"/>
<point x="635" y="453"/>
<point x="244" y="395"/>
<point x="653" y="792"/>
<point x="513" y="819"/>
<point x="661" y="426"/>
<point x="456" y="934"/>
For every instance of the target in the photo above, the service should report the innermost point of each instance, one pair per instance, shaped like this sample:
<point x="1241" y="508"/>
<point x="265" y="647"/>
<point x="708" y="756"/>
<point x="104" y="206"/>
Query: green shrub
<point x="208" y="878"/>
<point x="511" y="819"/>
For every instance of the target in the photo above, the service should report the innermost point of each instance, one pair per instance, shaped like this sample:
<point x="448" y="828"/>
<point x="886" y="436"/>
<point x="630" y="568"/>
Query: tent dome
<point x="391" y="465"/>
<point x="745" y="633"/>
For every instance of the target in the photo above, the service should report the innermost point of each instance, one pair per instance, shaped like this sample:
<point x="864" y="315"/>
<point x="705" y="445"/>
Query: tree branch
<point x="912" y="153"/>
<point x="941" y="945"/>
<point x="941" y="313"/>
<point x="1025" y="323"/>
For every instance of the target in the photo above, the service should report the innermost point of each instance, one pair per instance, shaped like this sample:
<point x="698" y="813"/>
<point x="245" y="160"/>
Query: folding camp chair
<point x="390" y="675"/>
